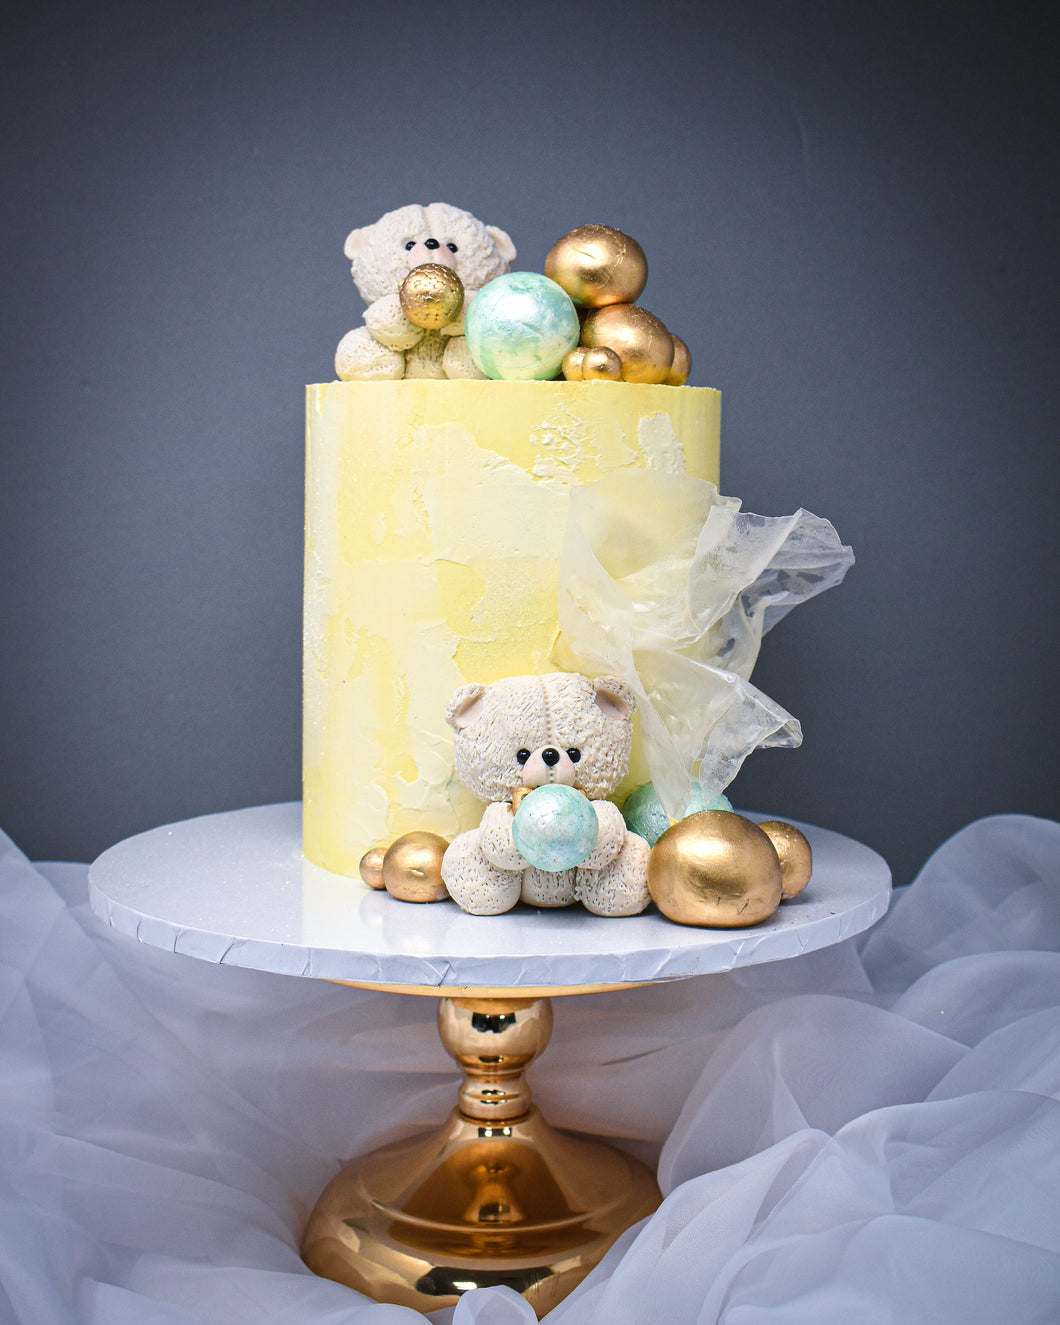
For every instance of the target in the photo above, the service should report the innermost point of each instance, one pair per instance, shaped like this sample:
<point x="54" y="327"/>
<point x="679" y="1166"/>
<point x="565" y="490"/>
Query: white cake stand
<point x="496" y="1196"/>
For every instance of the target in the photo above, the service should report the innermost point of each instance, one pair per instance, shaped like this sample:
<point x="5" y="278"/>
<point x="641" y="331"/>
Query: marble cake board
<point x="497" y="1196"/>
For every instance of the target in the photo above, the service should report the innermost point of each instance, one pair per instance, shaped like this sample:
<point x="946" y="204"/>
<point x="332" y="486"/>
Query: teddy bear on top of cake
<point x="443" y="304"/>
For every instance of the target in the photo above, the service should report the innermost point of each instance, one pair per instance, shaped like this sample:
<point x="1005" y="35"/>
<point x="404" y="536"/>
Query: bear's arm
<point x="389" y="325"/>
<point x="495" y="837"/>
<point x="610" y="837"/>
<point x="456" y="327"/>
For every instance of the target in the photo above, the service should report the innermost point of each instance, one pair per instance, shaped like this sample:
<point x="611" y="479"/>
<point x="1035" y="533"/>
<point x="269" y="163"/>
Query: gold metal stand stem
<point x="497" y="1196"/>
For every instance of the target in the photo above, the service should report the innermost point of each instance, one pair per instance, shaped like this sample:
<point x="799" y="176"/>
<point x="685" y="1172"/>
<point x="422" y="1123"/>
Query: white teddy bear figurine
<point x="534" y="731"/>
<point x="389" y="346"/>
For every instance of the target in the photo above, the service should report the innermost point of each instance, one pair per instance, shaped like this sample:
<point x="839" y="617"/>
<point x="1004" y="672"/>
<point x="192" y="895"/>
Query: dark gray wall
<point x="851" y="219"/>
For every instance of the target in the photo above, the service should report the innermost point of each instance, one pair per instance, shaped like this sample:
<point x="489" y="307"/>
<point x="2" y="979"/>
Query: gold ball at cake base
<point x="412" y="867"/>
<point x="682" y="364"/>
<point x="639" y="339"/>
<point x="715" y="869"/>
<point x="431" y="296"/>
<point x="371" y="867"/>
<point x="601" y="365"/>
<point x="598" y="265"/>
<point x="796" y="857"/>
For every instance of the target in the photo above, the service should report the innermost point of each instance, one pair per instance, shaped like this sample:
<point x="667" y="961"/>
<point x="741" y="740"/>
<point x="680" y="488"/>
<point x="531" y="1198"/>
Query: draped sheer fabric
<point x="870" y="1133"/>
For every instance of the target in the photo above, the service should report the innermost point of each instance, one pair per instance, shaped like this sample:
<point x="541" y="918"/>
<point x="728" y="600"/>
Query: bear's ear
<point x="464" y="706"/>
<point x="505" y="247"/>
<point x="614" y="698"/>
<point x="356" y="240"/>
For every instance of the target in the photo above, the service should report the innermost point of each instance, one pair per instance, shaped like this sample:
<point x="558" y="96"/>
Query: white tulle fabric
<point x="866" y="1134"/>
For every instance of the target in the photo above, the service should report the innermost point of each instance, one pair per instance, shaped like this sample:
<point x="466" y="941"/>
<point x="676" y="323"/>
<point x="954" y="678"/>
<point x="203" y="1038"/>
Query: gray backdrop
<point x="850" y="218"/>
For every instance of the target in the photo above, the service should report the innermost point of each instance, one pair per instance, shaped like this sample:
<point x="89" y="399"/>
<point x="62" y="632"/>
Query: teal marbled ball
<point x="554" y="828"/>
<point x="645" y="816"/>
<point x="520" y="326"/>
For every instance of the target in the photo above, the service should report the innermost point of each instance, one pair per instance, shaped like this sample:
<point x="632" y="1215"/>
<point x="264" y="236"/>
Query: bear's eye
<point x="410" y="245"/>
<point x="451" y="247"/>
<point x="521" y="756"/>
<point x="574" y="754"/>
<point x="432" y="244"/>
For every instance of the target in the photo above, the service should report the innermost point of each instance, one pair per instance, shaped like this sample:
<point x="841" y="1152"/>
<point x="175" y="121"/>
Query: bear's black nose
<point x="550" y="756"/>
<point x="431" y="243"/>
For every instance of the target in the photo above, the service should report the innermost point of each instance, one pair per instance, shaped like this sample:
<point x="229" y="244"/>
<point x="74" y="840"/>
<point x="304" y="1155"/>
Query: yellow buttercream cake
<point x="435" y="514"/>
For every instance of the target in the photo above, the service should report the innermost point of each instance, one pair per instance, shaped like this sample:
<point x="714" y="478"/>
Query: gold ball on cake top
<point x="598" y="265"/>
<point x="682" y="364"/>
<point x="640" y="340"/>
<point x="796" y="857"/>
<point x="412" y="867"/>
<point x="371" y="867"/>
<point x="431" y="296"/>
<point x="572" y="363"/>
<point x="715" y="869"/>
<point x="601" y="365"/>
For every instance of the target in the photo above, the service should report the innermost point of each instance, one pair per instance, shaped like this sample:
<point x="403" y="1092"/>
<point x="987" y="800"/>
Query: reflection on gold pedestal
<point x="497" y="1196"/>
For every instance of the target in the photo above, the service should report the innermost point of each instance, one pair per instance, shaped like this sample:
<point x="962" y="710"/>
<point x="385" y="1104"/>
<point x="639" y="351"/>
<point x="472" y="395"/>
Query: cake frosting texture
<point x="435" y="514"/>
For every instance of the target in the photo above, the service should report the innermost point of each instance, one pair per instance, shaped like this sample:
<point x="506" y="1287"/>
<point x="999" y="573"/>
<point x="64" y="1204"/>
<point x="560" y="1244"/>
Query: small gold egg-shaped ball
<point x="572" y="363"/>
<point x="682" y="364"/>
<point x="412" y="867"/>
<point x="639" y="339"/>
<point x="601" y="365"/>
<point x="598" y="265"/>
<point x="796" y="857"/>
<point x="371" y="867"/>
<point x="715" y="869"/>
<point x="431" y="296"/>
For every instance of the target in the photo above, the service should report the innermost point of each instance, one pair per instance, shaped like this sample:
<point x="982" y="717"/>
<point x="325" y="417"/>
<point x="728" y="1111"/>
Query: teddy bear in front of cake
<point x="453" y="255"/>
<point x="544" y="752"/>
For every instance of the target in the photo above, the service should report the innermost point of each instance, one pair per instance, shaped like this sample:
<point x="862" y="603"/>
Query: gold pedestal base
<point x="497" y="1196"/>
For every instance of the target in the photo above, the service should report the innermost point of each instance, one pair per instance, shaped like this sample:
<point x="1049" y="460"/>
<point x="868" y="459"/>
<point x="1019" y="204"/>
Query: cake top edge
<point x="559" y="385"/>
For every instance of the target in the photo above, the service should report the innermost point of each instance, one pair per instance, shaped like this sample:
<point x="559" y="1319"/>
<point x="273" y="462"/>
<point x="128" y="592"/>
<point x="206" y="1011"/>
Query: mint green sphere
<point x="520" y="326"/>
<point x="645" y="816"/>
<point x="554" y="827"/>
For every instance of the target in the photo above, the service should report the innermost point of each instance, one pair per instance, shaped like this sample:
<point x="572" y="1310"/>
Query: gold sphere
<point x="412" y="867"/>
<point x="371" y="867"/>
<point x="796" y="857"/>
<point x="519" y="794"/>
<point x="431" y="296"/>
<point x="682" y="364"/>
<point x="601" y="365"/>
<point x="572" y="363"/>
<point x="639" y="339"/>
<point x="598" y="265"/>
<point x="715" y="869"/>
